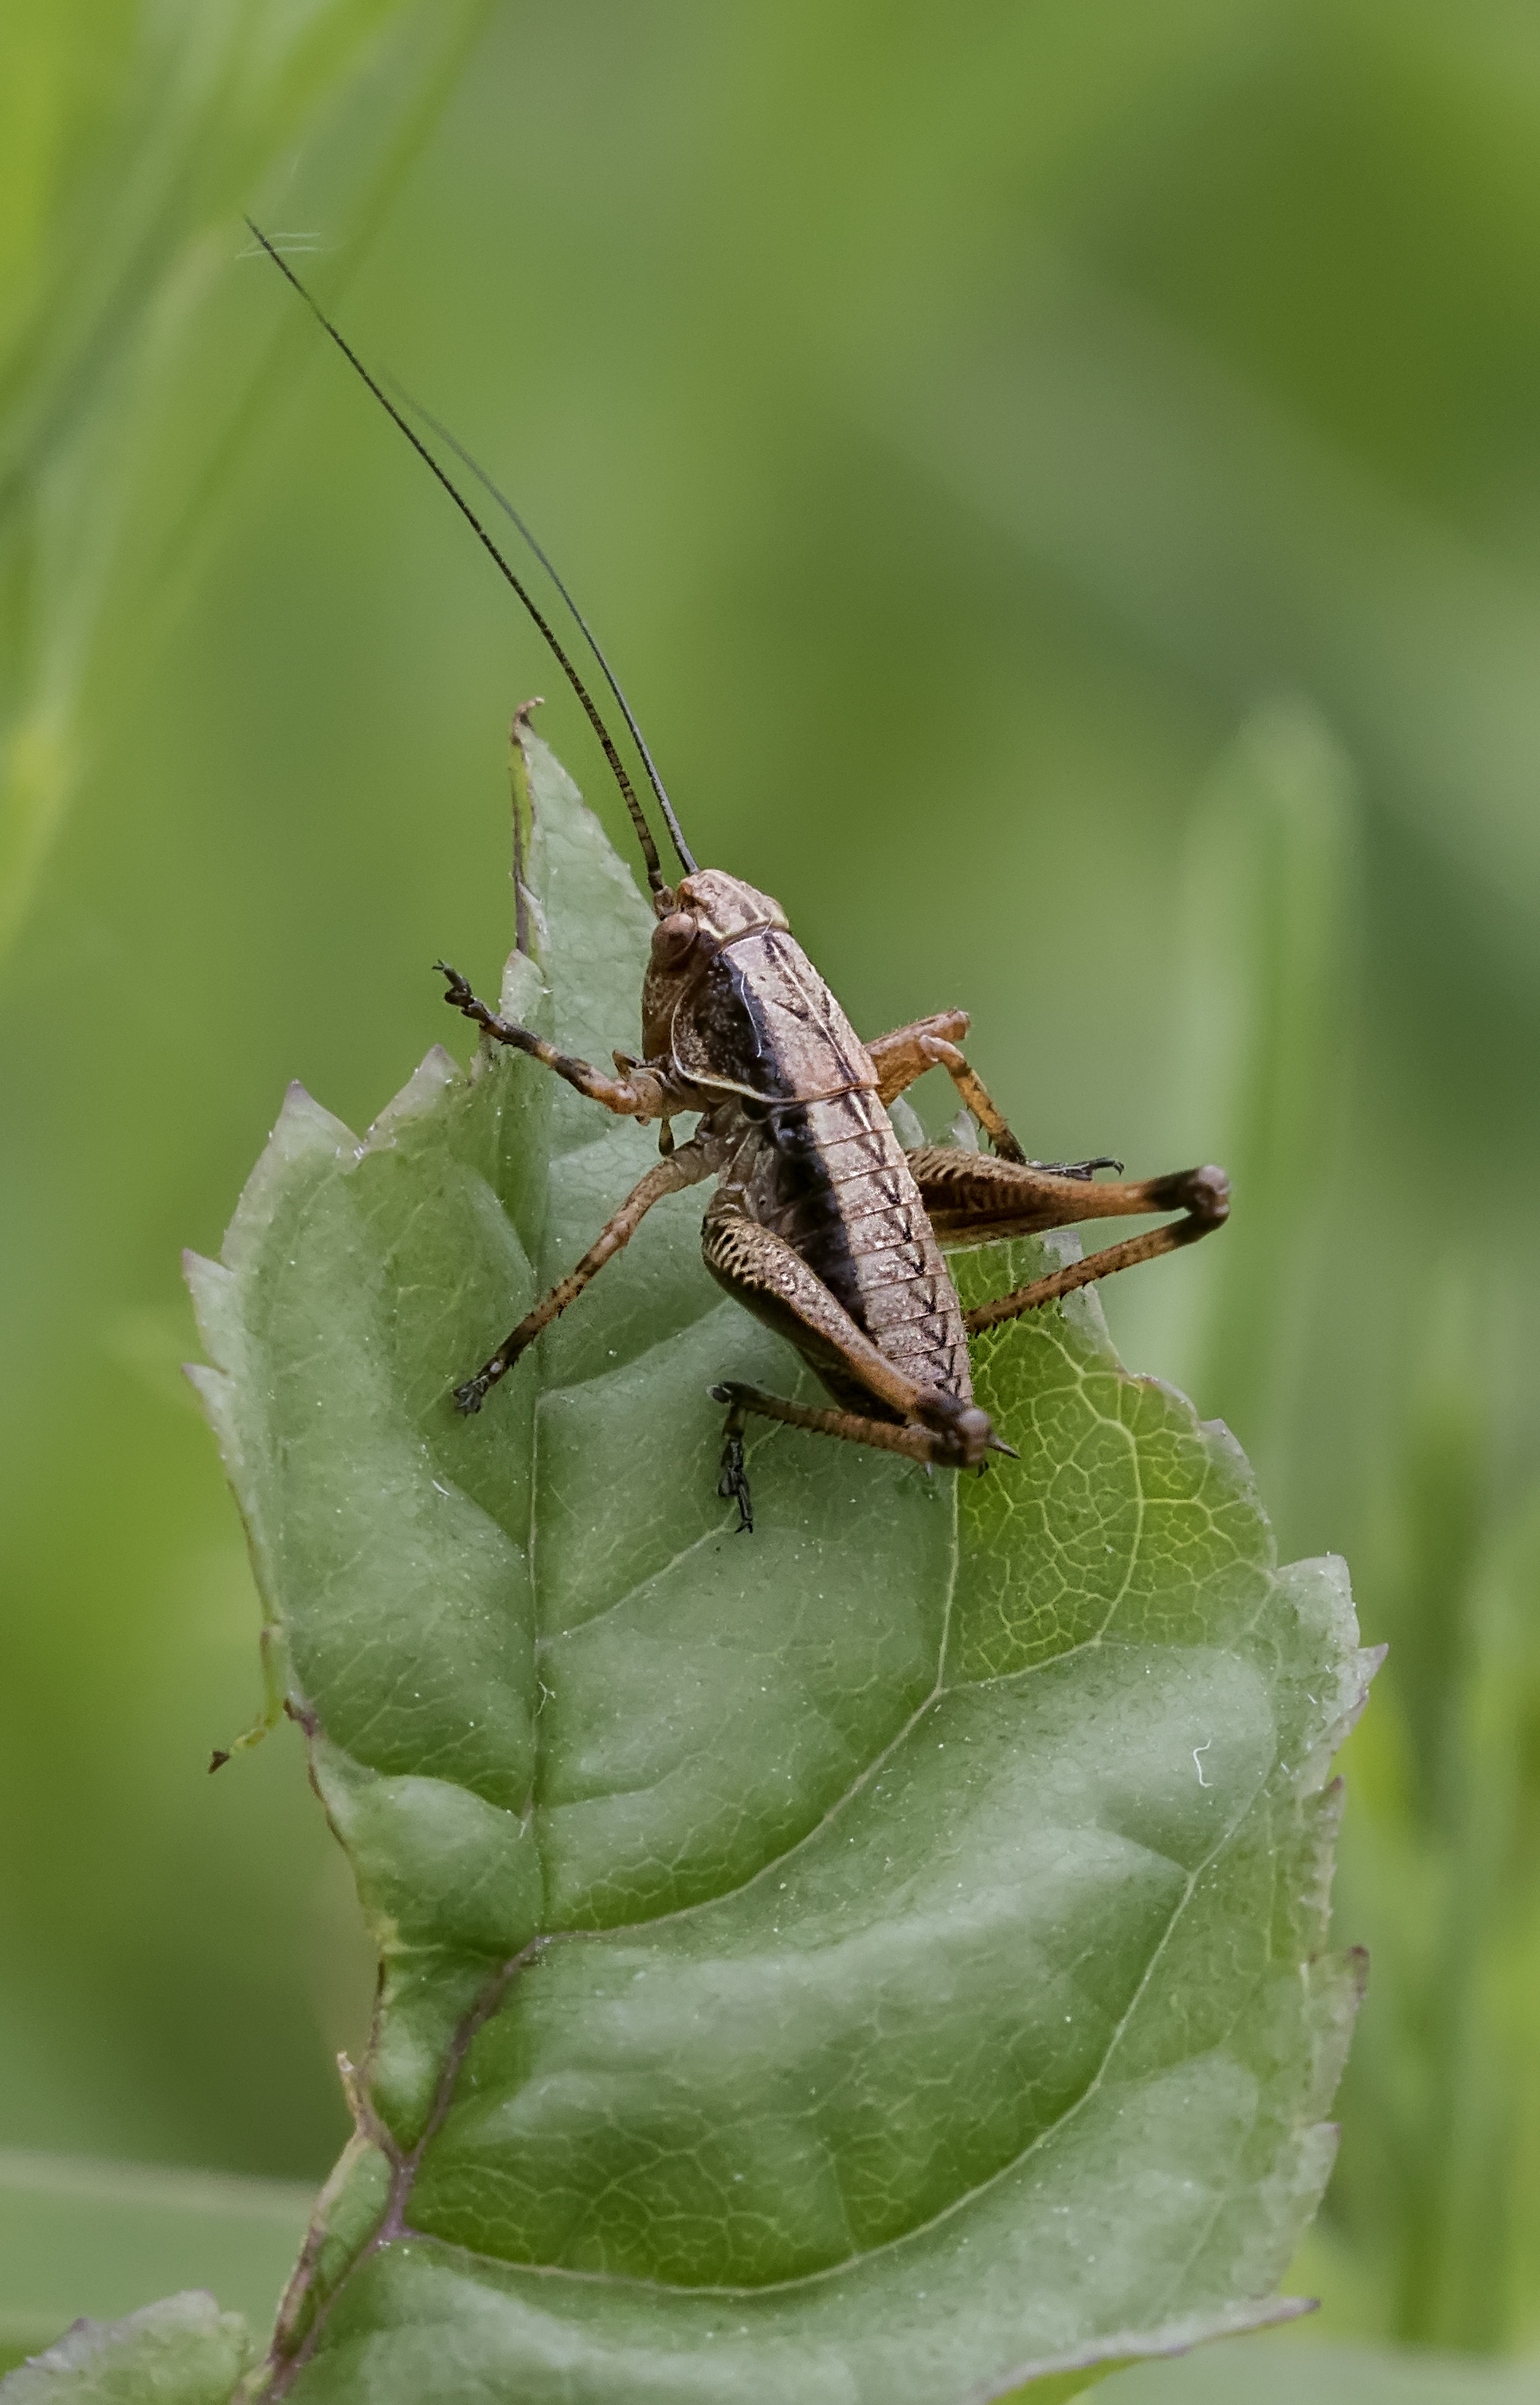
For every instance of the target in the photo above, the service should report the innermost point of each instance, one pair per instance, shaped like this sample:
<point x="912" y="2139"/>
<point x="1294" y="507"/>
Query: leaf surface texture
<point x="878" y="1959"/>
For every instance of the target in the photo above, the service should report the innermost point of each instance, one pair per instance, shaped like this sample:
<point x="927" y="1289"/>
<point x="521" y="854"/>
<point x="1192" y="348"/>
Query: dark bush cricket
<point x="822" y="1224"/>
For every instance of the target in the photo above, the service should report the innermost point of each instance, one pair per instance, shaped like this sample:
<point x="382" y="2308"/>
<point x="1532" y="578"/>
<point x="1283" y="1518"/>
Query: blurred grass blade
<point x="1476" y="2287"/>
<point x="1221" y="536"/>
<point x="1298" y="2371"/>
<point x="1261" y="1058"/>
<point x="1270" y="865"/>
<point x="129" y="140"/>
<point x="1441" y="2182"/>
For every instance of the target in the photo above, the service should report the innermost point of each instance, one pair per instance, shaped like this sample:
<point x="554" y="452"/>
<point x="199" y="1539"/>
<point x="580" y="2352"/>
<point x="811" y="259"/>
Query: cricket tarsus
<point x="1081" y="1169"/>
<point x="460" y="996"/>
<point x="733" y="1485"/>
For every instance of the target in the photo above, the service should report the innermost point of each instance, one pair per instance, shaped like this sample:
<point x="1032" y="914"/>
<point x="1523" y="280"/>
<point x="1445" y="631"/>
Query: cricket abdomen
<point x="816" y="1159"/>
<point x="829" y="1178"/>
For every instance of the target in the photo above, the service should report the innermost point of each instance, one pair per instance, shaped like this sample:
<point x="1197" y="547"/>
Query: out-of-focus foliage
<point x="1062" y="486"/>
<point x="83" y="2236"/>
<point x="1293" y="2370"/>
<point x="130" y="138"/>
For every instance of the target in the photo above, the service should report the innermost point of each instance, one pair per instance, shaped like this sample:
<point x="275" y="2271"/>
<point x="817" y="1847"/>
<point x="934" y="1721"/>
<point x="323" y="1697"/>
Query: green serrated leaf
<point x="183" y="2351"/>
<point x="874" y="1960"/>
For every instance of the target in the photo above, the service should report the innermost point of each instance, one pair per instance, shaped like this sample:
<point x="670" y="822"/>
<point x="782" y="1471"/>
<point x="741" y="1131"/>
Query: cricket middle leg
<point x="903" y="1057"/>
<point x="970" y="1197"/>
<point x="685" y="1167"/>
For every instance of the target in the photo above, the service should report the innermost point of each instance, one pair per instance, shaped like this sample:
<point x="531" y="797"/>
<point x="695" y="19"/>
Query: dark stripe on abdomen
<point x="845" y="1201"/>
<point x="806" y="1207"/>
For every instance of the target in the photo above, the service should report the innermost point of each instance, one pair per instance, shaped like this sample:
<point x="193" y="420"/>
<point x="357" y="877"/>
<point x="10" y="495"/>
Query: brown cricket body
<point x="822" y="1224"/>
<point x="751" y="1031"/>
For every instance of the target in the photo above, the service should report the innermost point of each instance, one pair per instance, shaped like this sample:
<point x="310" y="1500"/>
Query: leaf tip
<point x="437" y="1071"/>
<point x="300" y="1113"/>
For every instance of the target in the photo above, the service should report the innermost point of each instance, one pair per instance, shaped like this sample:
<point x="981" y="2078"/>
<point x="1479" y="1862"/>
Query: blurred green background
<point x="1061" y="484"/>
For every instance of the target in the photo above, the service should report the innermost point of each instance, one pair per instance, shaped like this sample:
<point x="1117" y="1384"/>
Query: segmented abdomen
<point x="828" y="1176"/>
<point x="834" y="1182"/>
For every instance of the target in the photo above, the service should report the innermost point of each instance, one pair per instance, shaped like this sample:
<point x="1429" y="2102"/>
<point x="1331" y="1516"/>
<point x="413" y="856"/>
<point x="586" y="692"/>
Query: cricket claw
<point x="1084" y="1170"/>
<point x="733" y="1485"/>
<point x="470" y="1398"/>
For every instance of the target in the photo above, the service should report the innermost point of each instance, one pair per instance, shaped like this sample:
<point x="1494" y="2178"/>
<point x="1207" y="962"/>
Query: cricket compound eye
<point x="672" y="938"/>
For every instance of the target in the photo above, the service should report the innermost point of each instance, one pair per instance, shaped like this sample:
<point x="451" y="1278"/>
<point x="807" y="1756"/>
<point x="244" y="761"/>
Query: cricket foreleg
<point x="638" y="1095"/>
<point x="685" y="1167"/>
<point x="904" y="1056"/>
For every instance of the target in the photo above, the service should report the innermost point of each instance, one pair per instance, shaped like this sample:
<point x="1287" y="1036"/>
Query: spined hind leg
<point x="971" y="1199"/>
<point x="952" y="1445"/>
<point x="763" y="1271"/>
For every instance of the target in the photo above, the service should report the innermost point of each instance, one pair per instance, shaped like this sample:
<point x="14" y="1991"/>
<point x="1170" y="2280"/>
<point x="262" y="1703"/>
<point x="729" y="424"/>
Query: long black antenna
<point x="644" y="833"/>
<point x="453" y="443"/>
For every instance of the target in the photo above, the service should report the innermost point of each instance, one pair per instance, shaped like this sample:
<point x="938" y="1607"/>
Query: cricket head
<point x="704" y="911"/>
<point x="711" y="908"/>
